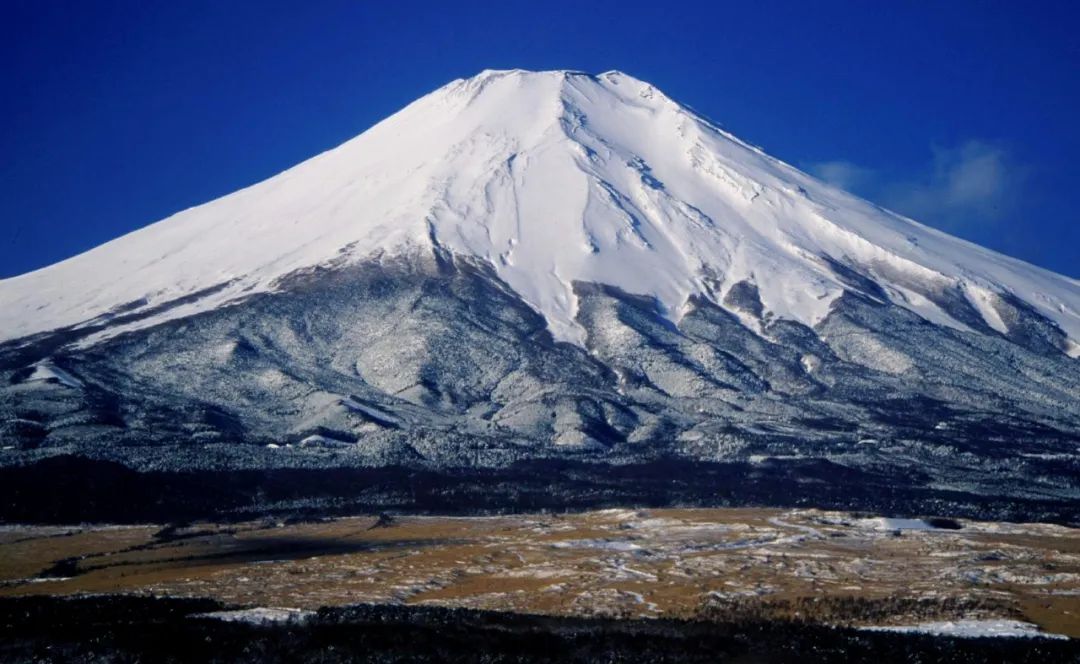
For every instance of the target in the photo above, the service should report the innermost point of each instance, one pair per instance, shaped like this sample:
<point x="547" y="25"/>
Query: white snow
<point x="982" y="300"/>
<point x="889" y="523"/>
<point x="49" y="371"/>
<point x="259" y="615"/>
<point x="610" y="545"/>
<point x="974" y="629"/>
<point x="315" y="440"/>
<point x="552" y="177"/>
<point x="809" y="530"/>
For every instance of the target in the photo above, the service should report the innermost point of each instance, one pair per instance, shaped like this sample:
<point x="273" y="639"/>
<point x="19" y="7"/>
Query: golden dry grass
<point x="612" y="562"/>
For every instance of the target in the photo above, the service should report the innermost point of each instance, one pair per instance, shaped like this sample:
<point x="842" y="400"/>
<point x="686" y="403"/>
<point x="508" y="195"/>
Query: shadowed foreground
<point x="169" y="630"/>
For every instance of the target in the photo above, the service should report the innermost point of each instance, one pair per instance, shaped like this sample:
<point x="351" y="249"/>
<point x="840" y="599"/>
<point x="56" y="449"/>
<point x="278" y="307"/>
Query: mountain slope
<point x="552" y="177"/>
<point x="525" y="266"/>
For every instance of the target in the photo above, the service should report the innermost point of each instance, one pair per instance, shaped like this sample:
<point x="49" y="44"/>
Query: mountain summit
<point x="536" y="267"/>
<point x="552" y="178"/>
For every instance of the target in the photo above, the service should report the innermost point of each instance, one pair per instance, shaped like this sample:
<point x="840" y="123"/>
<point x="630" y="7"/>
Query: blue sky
<point x="116" y="114"/>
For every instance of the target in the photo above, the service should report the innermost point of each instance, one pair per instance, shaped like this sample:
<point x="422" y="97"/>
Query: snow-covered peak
<point x="553" y="177"/>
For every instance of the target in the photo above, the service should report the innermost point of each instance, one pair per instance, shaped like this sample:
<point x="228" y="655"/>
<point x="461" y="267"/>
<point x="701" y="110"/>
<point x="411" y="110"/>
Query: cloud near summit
<point x="974" y="184"/>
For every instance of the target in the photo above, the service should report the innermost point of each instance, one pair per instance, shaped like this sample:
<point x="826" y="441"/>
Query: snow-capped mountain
<point x="526" y="264"/>
<point x="552" y="178"/>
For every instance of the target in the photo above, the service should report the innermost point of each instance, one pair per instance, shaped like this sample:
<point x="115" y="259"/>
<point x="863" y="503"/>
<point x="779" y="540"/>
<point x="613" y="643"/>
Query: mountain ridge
<point x="652" y="198"/>
<point x="538" y="269"/>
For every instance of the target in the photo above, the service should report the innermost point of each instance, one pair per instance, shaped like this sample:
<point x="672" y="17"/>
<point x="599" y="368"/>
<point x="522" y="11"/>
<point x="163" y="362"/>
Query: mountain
<point x="548" y="265"/>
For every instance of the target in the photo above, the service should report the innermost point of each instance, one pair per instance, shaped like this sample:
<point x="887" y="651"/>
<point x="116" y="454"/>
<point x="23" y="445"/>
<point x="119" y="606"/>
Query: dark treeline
<point x="69" y="489"/>
<point x="851" y="609"/>
<point x="122" y="629"/>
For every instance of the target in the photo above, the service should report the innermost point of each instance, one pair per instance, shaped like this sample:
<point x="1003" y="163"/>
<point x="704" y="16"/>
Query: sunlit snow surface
<point x="974" y="629"/>
<point x="47" y="371"/>
<point x="552" y="177"/>
<point x="885" y="523"/>
<point x="260" y="615"/>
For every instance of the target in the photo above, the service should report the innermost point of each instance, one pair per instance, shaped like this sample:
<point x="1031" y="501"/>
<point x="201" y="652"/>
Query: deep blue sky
<point x="113" y="115"/>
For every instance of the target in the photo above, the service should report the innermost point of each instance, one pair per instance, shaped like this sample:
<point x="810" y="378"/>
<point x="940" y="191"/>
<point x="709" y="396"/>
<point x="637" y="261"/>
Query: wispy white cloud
<point x="975" y="183"/>
<point x="843" y="174"/>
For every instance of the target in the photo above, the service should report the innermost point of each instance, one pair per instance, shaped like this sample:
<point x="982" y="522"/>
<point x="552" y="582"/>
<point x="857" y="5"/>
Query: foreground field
<point x="717" y="564"/>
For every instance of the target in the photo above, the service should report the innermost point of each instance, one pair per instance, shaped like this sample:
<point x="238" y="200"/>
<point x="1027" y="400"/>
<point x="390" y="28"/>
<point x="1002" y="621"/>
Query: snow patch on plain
<point x="889" y="523"/>
<point x="973" y="629"/>
<point x="609" y="545"/>
<point x="260" y="615"/>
